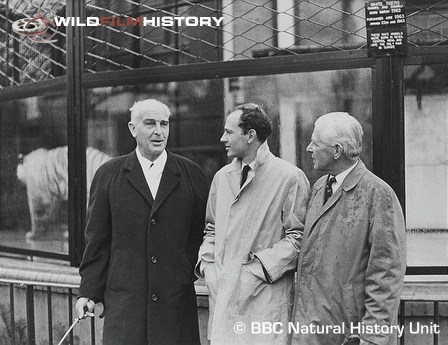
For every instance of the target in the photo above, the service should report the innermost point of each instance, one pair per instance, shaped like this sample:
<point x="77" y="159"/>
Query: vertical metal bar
<point x="218" y="29"/>
<point x="388" y="123"/>
<point x="92" y="331"/>
<point x="11" y="310"/>
<point x="436" y="321"/>
<point x="402" y="320"/>
<point x="76" y="133"/>
<point x="176" y="35"/>
<point x="7" y="29"/>
<point x="275" y="31"/>
<point x="31" y="330"/>
<point x="137" y="31"/>
<point x="70" y="312"/>
<point x="50" y="316"/>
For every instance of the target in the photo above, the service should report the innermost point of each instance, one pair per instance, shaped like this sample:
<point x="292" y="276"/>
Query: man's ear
<point x="337" y="153"/>
<point x="252" y="135"/>
<point x="131" y="127"/>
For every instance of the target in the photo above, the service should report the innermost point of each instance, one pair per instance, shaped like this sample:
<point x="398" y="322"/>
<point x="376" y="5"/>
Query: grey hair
<point x="343" y="129"/>
<point x="149" y="106"/>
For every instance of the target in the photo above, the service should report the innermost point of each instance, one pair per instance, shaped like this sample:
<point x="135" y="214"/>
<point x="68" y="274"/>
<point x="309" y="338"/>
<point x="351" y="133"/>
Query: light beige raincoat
<point x="264" y="220"/>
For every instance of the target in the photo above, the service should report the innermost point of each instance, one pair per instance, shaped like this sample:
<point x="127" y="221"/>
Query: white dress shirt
<point x="152" y="170"/>
<point x="341" y="177"/>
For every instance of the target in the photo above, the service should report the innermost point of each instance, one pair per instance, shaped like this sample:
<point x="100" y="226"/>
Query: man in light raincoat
<point x="254" y="224"/>
<point x="353" y="256"/>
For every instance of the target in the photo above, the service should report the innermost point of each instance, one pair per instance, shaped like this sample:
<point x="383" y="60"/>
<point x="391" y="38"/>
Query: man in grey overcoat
<point x="353" y="257"/>
<point x="144" y="228"/>
<point x="254" y="224"/>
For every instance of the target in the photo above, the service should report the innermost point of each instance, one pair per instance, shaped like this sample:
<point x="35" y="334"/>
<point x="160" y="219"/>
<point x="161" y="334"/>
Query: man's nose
<point x="158" y="129"/>
<point x="223" y="138"/>
<point x="309" y="149"/>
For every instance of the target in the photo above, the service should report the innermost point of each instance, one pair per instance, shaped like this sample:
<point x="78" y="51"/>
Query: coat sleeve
<point x="387" y="264"/>
<point x="283" y="255"/>
<point x="207" y="249"/>
<point x="95" y="261"/>
<point x="200" y="188"/>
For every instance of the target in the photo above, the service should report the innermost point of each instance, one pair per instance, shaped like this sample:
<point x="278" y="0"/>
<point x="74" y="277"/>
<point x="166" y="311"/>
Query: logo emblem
<point x="36" y="29"/>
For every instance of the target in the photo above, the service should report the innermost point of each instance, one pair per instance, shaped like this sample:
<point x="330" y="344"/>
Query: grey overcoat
<point x="353" y="260"/>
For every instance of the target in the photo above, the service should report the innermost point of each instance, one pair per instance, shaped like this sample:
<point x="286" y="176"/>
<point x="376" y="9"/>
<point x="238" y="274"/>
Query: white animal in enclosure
<point x="45" y="174"/>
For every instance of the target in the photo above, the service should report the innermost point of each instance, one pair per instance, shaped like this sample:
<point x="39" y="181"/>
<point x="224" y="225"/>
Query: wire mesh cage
<point x="23" y="60"/>
<point x="247" y="29"/>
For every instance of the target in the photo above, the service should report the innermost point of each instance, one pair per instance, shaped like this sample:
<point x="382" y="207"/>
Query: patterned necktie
<point x="246" y="169"/>
<point x="328" y="189"/>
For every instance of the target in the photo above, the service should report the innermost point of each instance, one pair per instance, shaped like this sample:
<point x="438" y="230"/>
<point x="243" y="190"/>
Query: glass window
<point x="426" y="158"/>
<point x="34" y="183"/>
<point x="195" y="126"/>
<point x="294" y="101"/>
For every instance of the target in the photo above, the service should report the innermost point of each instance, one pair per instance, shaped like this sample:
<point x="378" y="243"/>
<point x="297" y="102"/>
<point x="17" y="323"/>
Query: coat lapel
<point x="234" y="170"/>
<point x="350" y="182"/>
<point x="136" y="177"/>
<point x="233" y="174"/>
<point x="170" y="179"/>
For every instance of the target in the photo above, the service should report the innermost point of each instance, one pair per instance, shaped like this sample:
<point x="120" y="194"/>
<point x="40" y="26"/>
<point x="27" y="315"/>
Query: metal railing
<point x="430" y="330"/>
<point x="23" y="331"/>
<point x="20" y="331"/>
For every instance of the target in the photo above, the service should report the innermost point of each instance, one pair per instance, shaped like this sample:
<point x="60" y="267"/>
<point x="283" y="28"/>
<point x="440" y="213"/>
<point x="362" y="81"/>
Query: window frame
<point x="387" y="110"/>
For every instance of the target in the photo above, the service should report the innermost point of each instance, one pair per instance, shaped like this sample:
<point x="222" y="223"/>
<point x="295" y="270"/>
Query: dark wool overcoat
<point x="140" y="252"/>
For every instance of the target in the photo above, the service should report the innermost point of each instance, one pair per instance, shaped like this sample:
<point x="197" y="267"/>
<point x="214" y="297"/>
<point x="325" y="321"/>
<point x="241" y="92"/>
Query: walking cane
<point x="71" y="328"/>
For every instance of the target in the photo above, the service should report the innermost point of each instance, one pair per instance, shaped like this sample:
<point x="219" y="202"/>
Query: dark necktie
<point x="328" y="189"/>
<point x="246" y="169"/>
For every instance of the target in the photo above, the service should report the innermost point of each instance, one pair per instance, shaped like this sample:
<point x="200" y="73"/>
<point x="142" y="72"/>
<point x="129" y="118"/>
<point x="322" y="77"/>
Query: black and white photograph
<point x="223" y="172"/>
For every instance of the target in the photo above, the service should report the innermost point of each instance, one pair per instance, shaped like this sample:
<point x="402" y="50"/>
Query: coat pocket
<point x="247" y="294"/>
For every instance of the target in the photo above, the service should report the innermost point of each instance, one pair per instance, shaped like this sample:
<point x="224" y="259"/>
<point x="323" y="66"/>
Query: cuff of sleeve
<point x="255" y="266"/>
<point x="200" y="268"/>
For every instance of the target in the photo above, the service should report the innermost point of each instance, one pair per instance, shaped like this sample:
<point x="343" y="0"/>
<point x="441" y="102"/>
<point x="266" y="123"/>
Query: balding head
<point x="149" y="125"/>
<point x="336" y="142"/>
<point x="148" y="106"/>
<point x="343" y="129"/>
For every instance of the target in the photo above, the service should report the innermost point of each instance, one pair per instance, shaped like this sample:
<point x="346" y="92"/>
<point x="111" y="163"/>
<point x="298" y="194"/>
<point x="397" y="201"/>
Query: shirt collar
<point x="251" y="165"/>
<point x="159" y="162"/>
<point x="341" y="177"/>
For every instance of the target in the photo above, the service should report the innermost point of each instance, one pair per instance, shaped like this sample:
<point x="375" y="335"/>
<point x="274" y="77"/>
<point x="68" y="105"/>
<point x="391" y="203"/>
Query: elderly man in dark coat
<point x="145" y="223"/>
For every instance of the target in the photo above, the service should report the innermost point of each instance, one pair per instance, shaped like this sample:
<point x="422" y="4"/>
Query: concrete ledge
<point x="38" y="273"/>
<point x="425" y="288"/>
<point x="416" y="288"/>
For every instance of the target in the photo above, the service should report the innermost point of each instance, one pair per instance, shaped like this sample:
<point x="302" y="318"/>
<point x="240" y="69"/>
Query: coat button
<point x="154" y="297"/>
<point x="153" y="222"/>
<point x="153" y="259"/>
